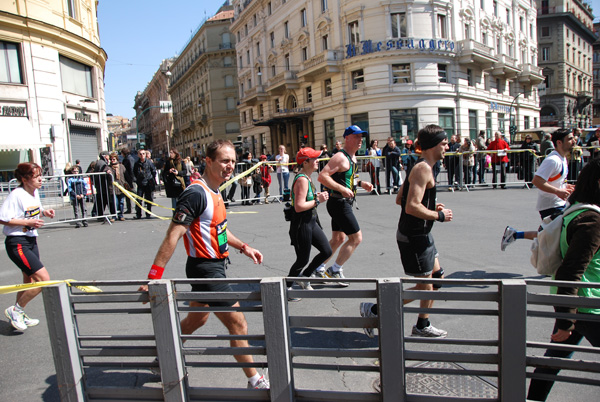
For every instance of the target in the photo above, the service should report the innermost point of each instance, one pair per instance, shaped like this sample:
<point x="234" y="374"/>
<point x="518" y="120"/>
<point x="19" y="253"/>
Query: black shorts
<point x="418" y="254"/>
<point x="202" y="268"/>
<point x="23" y="251"/>
<point x="342" y="217"/>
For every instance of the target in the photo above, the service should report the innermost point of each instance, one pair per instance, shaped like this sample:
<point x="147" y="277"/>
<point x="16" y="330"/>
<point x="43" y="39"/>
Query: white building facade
<point x="52" y="106"/>
<point x="308" y="69"/>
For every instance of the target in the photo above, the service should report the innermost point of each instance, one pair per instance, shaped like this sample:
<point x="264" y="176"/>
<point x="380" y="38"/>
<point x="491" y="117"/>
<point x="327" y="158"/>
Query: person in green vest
<point x="580" y="248"/>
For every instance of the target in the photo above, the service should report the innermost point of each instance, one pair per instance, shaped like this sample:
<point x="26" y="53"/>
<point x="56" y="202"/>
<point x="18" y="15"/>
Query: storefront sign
<point x="13" y="111"/>
<point x="368" y="46"/>
<point x="296" y="110"/>
<point x="501" y="108"/>
<point x="82" y="116"/>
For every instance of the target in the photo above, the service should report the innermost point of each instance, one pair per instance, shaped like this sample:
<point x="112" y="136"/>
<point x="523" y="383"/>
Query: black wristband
<point x="359" y="183"/>
<point x="441" y="216"/>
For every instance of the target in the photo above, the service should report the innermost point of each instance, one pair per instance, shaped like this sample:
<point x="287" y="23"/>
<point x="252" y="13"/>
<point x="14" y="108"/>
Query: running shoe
<point x="318" y="275"/>
<point x="304" y="285"/>
<point x="155" y="369"/>
<point x="16" y="318"/>
<point x="30" y="322"/>
<point x="429" y="332"/>
<point x="365" y="311"/>
<point x="292" y="299"/>
<point x="509" y="236"/>
<point x="262" y="383"/>
<point x="337" y="275"/>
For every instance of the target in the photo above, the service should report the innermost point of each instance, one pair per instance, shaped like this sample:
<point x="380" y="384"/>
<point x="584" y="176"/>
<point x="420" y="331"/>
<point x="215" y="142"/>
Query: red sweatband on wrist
<point x="243" y="247"/>
<point x="156" y="272"/>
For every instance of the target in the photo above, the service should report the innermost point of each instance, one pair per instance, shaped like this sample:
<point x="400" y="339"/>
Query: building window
<point x="399" y="25"/>
<point x="228" y="81"/>
<point x="227" y="61"/>
<point x="501" y="122"/>
<point x="531" y="31"/>
<point x="239" y="36"/>
<point x="71" y="8"/>
<point x="545" y="32"/>
<point x="442" y="72"/>
<point x="469" y="77"/>
<point x="269" y="8"/>
<point x="248" y="56"/>
<point x="261" y="111"/>
<point x="257" y="49"/>
<point x="286" y="30"/>
<point x="277" y="105"/>
<point x="329" y="129"/>
<point x="467" y="31"/>
<point x="353" y="33"/>
<point x="304" y="53"/>
<point x="495" y="3"/>
<point x="328" y="90"/>
<point x="325" y="42"/>
<point x="526" y="122"/>
<point x="521" y="24"/>
<point x="273" y="71"/>
<point x="308" y="94"/>
<point x="323" y="6"/>
<point x="441" y="26"/>
<point x="243" y="117"/>
<point x="482" y="4"/>
<point x="358" y="79"/>
<point x="446" y="120"/>
<point x="230" y="103"/>
<point x="508" y="16"/>
<point x="484" y="38"/>
<point x="303" y="17"/>
<point x="76" y="77"/>
<point x="272" y="37"/>
<point x="401" y="74"/>
<point x="473" y="124"/>
<point x="488" y="124"/>
<point x="535" y="122"/>
<point x="400" y="118"/>
<point x="287" y="62"/>
<point x="246" y="30"/>
<point x="486" y="82"/>
<point x="10" y="63"/>
<point x="242" y="90"/>
<point x="499" y="45"/>
<point x="499" y="86"/>
<point x="249" y="83"/>
<point x="511" y="50"/>
<point x="545" y="53"/>
<point x="241" y="62"/>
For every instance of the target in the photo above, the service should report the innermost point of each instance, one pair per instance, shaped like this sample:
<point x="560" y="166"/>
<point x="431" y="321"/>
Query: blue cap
<point x="353" y="130"/>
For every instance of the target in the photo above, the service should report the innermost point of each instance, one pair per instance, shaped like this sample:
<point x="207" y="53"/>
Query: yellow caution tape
<point x="133" y="197"/>
<point x="26" y="286"/>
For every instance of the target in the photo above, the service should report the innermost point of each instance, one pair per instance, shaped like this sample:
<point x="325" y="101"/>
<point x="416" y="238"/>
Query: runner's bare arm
<point x="244" y="248"/>
<point x="337" y="163"/>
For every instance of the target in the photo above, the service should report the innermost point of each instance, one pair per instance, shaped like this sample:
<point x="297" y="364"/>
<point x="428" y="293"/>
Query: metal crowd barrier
<point x="97" y="350"/>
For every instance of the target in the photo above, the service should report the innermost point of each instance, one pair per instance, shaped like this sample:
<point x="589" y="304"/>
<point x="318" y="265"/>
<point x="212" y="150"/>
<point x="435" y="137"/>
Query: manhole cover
<point x="465" y="386"/>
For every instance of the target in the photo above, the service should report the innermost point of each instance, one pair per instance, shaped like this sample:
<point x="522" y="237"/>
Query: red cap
<point x="305" y="154"/>
<point x="409" y="142"/>
<point x="263" y="157"/>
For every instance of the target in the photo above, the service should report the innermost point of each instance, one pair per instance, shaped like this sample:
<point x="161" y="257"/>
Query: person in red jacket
<point x="499" y="159"/>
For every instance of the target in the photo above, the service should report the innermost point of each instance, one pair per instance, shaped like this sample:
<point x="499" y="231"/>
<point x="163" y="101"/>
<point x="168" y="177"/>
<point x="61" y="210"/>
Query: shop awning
<point x="86" y="124"/>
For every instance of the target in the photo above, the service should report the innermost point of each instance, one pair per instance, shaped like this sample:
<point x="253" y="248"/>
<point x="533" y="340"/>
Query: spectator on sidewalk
<point x="499" y="159"/>
<point x="144" y="172"/>
<point x="119" y="177"/>
<point x="76" y="186"/>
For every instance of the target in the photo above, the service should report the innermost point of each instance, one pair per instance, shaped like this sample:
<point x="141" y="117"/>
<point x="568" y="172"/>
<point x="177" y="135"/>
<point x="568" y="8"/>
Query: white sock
<point x="254" y="379"/>
<point x="336" y="268"/>
<point x="18" y="308"/>
<point x="321" y="268"/>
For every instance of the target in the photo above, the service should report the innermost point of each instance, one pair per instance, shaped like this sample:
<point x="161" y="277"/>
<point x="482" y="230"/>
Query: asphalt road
<point x="469" y="247"/>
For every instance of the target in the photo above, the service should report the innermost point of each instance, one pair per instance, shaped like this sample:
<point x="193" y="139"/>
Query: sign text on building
<point x="501" y="108"/>
<point x="13" y="111"/>
<point x="368" y="46"/>
<point x="83" y="117"/>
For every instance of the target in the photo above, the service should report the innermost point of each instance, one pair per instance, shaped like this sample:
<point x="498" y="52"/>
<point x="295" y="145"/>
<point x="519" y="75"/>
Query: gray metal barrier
<point x="82" y="355"/>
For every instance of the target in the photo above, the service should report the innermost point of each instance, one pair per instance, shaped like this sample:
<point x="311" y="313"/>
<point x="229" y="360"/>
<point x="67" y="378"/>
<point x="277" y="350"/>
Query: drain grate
<point x="462" y="386"/>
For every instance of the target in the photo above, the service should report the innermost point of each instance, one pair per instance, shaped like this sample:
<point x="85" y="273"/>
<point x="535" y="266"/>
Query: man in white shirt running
<point x="550" y="178"/>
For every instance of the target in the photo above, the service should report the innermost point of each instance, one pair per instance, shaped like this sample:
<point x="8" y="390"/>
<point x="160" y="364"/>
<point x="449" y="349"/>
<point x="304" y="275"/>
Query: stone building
<point x="596" y="74"/>
<point x="203" y="87"/>
<point x="52" y="107"/>
<point x="565" y="40"/>
<point x="154" y="123"/>
<point x="309" y="68"/>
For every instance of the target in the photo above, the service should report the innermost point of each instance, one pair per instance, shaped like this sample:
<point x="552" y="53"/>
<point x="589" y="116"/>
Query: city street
<point x="469" y="248"/>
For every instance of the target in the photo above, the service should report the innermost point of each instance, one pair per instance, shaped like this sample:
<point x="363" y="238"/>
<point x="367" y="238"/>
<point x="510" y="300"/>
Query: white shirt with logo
<point x="554" y="170"/>
<point x="21" y="205"/>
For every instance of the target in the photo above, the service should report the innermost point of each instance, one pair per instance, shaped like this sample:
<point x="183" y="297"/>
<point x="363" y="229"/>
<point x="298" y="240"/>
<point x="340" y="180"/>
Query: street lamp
<point x="513" y="127"/>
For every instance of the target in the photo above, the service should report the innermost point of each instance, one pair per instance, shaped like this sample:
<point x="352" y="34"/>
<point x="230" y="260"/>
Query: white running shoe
<point x="16" y="318"/>
<point x="365" y="311"/>
<point x="509" y="236"/>
<point x="262" y="383"/>
<point x="292" y="299"/>
<point x="337" y="275"/>
<point x="304" y="285"/>
<point x="429" y="332"/>
<point x="30" y="322"/>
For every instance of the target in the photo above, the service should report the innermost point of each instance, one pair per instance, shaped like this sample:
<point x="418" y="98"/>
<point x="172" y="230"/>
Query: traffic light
<point x="513" y="130"/>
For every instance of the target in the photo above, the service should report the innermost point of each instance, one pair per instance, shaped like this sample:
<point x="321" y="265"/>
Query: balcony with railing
<point x="506" y="66"/>
<point x="530" y="73"/>
<point x="283" y="81"/>
<point x="254" y="95"/>
<point x="471" y="51"/>
<point x="323" y="65"/>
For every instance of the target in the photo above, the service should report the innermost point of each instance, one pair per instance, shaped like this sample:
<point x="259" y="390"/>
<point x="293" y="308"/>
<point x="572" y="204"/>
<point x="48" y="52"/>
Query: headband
<point x="430" y="141"/>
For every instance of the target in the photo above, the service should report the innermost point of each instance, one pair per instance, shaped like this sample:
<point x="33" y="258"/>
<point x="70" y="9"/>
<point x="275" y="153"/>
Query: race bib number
<point x="222" y="236"/>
